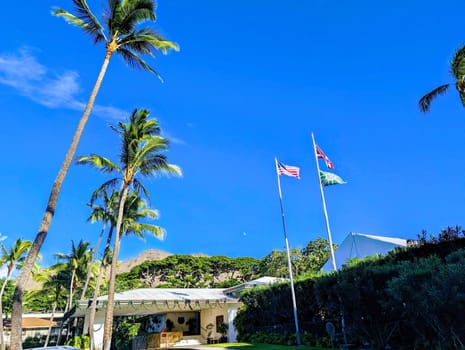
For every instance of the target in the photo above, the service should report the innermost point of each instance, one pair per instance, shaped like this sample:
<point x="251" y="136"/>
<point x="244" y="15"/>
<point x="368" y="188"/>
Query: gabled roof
<point x="359" y="245"/>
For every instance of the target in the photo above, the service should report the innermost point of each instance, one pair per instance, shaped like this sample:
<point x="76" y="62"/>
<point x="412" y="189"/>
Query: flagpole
<point x="333" y="259"/>
<point x="294" y="304"/>
<point x="324" y="205"/>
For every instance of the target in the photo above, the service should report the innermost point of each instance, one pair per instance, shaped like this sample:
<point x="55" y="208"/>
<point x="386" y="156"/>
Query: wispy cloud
<point x="28" y="77"/>
<point x="31" y="79"/>
<point x="173" y="139"/>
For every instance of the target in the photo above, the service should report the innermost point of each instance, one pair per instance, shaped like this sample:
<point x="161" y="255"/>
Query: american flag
<point x="288" y="170"/>
<point x="320" y="154"/>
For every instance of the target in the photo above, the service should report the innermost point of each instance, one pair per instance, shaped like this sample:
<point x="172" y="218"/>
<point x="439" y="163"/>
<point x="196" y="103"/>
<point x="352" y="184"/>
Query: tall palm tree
<point x="53" y="289"/>
<point x="74" y="266"/>
<point x="457" y="70"/>
<point x="76" y="263"/>
<point x="140" y="156"/>
<point x="103" y="213"/>
<point x="10" y="257"/>
<point x="122" y="34"/>
<point x="135" y="210"/>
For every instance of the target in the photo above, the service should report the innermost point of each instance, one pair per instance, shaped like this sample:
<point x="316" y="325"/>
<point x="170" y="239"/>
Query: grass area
<point x="250" y="346"/>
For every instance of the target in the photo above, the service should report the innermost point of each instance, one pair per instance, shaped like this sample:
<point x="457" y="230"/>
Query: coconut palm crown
<point x="458" y="72"/>
<point x="121" y="33"/>
<point x="141" y="147"/>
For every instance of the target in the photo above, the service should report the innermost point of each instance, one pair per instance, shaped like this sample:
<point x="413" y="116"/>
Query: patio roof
<point x="162" y="300"/>
<point x="172" y="294"/>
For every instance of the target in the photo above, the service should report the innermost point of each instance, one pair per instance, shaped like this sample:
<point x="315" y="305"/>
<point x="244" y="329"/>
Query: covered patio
<point x="170" y="317"/>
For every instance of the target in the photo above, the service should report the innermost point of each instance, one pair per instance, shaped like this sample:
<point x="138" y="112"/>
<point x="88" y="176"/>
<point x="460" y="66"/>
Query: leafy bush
<point x="124" y="330"/>
<point x="79" y="341"/>
<point x="32" y="342"/>
<point x="413" y="298"/>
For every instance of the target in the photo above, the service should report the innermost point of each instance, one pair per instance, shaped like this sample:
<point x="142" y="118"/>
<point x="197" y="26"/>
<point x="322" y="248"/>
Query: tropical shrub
<point x="412" y="299"/>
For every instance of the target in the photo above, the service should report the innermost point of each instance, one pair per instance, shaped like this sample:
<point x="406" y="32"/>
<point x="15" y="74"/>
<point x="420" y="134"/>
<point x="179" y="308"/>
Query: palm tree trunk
<point x="89" y="269"/>
<point x="69" y="304"/>
<point x="107" y="330"/>
<point x="2" y="341"/>
<point x="51" y="321"/>
<point x="16" y="314"/>
<point x="93" y="307"/>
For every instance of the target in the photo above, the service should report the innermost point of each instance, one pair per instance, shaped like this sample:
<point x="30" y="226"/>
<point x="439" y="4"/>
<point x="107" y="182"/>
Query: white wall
<point x="174" y="317"/>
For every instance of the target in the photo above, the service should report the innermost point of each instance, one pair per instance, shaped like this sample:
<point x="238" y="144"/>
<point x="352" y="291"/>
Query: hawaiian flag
<point x="288" y="170"/>
<point x="320" y="154"/>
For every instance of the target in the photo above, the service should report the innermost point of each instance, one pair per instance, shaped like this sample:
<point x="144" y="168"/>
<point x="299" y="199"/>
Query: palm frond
<point x="162" y="169"/>
<point x="102" y="163"/>
<point x="134" y="12"/>
<point x="100" y="192"/>
<point x="173" y="169"/>
<point x="139" y="186"/>
<point x="148" y="213"/>
<point x="147" y="41"/>
<point x="153" y="163"/>
<point x="84" y="19"/>
<point x="139" y="229"/>
<point x="458" y="63"/>
<point x="425" y="101"/>
<point x="134" y="61"/>
<point x="112" y="16"/>
<point x="462" y="98"/>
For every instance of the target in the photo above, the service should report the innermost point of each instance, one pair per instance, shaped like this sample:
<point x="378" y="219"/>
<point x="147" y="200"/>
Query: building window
<point x="219" y="322"/>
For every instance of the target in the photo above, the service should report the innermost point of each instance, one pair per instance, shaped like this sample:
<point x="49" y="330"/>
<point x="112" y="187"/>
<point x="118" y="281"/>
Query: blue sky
<point x="253" y="79"/>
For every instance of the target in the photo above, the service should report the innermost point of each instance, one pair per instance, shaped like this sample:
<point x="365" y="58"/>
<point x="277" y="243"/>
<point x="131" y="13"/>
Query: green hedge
<point x="411" y="299"/>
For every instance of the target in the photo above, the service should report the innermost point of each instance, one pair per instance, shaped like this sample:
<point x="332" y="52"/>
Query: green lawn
<point x="249" y="346"/>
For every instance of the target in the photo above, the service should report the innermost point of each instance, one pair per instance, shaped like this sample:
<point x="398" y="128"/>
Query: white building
<point x="175" y="316"/>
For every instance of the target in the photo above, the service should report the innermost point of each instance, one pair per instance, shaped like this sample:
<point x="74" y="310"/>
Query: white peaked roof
<point x="358" y="245"/>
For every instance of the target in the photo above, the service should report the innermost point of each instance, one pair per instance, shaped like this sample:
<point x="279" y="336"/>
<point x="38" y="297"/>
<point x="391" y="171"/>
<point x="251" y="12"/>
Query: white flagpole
<point x="324" y="205"/>
<point x="333" y="259"/>
<point x="294" y="304"/>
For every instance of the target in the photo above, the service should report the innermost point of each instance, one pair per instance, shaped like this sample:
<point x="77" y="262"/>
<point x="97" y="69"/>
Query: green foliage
<point x="33" y="342"/>
<point x="79" y="341"/>
<point x="412" y="299"/>
<point x="187" y="271"/>
<point x="304" y="261"/>
<point x="7" y="297"/>
<point x="124" y="330"/>
<point x="316" y="253"/>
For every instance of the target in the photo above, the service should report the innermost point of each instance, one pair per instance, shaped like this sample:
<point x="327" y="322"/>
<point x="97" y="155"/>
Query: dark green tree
<point x="316" y="253"/>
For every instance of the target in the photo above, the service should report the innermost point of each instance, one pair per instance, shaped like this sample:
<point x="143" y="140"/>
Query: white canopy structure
<point x="358" y="245"/>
